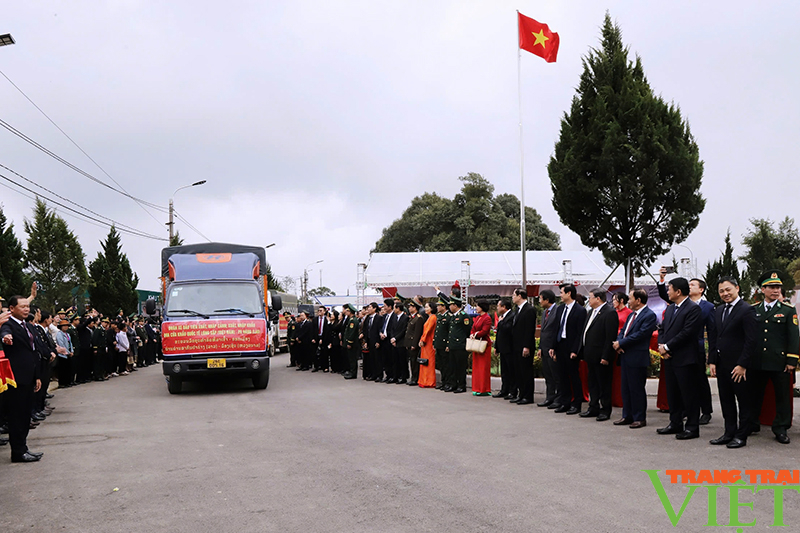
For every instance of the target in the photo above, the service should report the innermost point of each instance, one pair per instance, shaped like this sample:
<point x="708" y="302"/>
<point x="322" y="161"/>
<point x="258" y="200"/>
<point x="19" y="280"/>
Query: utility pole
<point x="171" y="222"/>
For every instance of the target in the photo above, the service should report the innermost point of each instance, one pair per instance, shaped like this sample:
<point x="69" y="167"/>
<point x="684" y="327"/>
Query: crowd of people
<point x="72" y="349"/>
<point x="404" y="342"/>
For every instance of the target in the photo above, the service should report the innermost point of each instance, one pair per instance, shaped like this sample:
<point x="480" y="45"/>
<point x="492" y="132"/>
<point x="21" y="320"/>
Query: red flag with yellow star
<point x="537" y="38"/>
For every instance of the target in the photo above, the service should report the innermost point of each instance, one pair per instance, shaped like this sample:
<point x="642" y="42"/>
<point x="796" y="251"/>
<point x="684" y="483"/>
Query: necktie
<point x="726" y="312"/>
<point x="563" y="323"/>
<point x="30" y="335"/>
<point x="633" y="319"/>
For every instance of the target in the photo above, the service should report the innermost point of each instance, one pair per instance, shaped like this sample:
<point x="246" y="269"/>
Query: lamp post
<point x="305" y="279"/>
<point x="692" y="265"/>
<point x="171" y="222"/>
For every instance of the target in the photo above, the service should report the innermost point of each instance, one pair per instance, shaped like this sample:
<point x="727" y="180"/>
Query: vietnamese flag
<point x="537" y="38"/>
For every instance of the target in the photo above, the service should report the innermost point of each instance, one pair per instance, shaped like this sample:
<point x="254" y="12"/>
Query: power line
<point x="60" y="159"/>
<point x="119" y="224"/>
<point x="140" y="203"/>
<point x="122" y="227"/>
<point x="180" y="217"/>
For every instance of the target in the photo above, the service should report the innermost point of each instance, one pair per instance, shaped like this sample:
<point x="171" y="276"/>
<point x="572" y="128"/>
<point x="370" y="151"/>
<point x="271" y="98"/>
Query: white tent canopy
<point x="495" y="272"/>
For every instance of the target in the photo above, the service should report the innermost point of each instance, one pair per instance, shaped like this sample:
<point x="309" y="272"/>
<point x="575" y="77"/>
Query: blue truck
<point x="218" y="315"/>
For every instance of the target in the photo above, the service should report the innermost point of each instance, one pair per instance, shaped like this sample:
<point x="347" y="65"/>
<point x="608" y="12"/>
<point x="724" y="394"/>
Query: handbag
<point x="422" y="361"/>
<point x="475" y="345"/>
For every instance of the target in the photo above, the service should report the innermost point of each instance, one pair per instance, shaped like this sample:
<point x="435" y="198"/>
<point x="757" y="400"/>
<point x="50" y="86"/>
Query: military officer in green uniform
<point x="776" y="354"/>
<point x="350" y="341"/>
<point x="99" y="351"/>
<point x="459" y="330"/>
<point x="440" y="334"/>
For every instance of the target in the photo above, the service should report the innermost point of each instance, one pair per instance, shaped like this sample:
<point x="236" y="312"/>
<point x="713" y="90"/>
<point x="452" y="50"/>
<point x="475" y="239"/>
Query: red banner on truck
<point x="214" y="336"/>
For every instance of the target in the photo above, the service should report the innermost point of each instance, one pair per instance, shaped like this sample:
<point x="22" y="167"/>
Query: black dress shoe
<point x="602" y="417"/>
<point x="459" y="390"/>
<point x="500" y="394"/>
<point x="623" y="422"/>
<point x="721" y="440"/>
<point x="390" y="380"/>
<point x="38" y="417"/>
<point x="783" y="438"/>
<point x="3" y="441"/>
<point x="573" y="411"/>
<point x="511" y="397"/>
<point x="523" y="401"/>
<point x="290" y="366"/>
<point x="686" y="435"/>
<point x="705" y="419"/>
<point x="546" y="403"/>
<point x="35" y="454"/>
<point x="24" y="458"/>
<point x="562" y="409"/>
<point x="588" y="414"/>
<point x="412" y="383"/>
<point x="447" y="388"/>
<point x="669" y="430"/>
<point x="514" y="400"/>
<point x="315" y="370"/>
<point x="350" y="376"/>
<point x="736" y="443"/>
<point x="439" y="386"/>
<point x="400" y="382"/>
<point x="555" y="406"/>
<point x="48" y="396"/>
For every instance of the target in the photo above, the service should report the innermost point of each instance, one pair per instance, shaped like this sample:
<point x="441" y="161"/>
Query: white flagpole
<point x="522" y="243"/>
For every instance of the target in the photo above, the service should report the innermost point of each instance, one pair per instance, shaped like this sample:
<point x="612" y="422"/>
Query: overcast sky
<point x="316" y="123"/>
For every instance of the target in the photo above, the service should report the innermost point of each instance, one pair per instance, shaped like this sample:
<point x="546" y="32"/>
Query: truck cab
<point x="216" y="313"/>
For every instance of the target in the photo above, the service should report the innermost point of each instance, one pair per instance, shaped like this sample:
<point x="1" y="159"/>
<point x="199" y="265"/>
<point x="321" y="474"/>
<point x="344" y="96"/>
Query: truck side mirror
<point x="277" y="303"/>
<point x="150" y="306"/>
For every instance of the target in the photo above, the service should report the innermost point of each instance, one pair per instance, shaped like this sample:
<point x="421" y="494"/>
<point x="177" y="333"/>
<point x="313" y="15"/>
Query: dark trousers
<point x="634" y="395"/>
<point x="400" y="358"/>
<point x="550" y="371"/>
<point x="600" y="378"/>
<point x="98" y="364"/>
<point x="458" y="367"/>
<point x="85" y="365"/>
<point x="413" y="355"/>
<point x="682" y="395"/>
<point x="292" y="354"/>
<point x="321" y="356"/>
<point x="730" y="392"/>
<point x="443" y="362"/>
<point x="569" y="379"/>
<point x="781" y="381"/>
<point x="387" y="357"/>
<point x="40" y="398"/>
<point x="111" y="359"/>
<point x="508" y="374"/>
<point x="704" y="391"/>
<point x="64" y="370"/>
<point x="20" y="403"/>
<point x="309" y="352"/>
<point x="366" y="363"/>
<point x="524" y="371"/>
<point x="376" y="368"/>
<point x="122" y="362"/>
<point x="352" y="359"/>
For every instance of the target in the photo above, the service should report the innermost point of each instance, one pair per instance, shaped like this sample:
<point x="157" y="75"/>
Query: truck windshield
<point x="218" y="298"/>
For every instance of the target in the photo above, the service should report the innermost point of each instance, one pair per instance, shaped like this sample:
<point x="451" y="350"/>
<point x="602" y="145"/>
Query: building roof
<point x="492" y="268"/>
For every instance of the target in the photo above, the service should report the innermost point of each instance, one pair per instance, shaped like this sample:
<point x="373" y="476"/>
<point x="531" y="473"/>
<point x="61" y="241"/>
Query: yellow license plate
<point x="216" y="363"/>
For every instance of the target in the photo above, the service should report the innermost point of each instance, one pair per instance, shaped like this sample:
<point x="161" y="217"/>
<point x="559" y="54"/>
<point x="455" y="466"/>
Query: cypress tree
<point x="12" y="276"/>
<point x="114" y="282"/>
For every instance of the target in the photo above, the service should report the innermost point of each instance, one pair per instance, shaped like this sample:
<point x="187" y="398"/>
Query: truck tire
<point x="261" y="380"/>
<point x="272" y="346"/>
<point x="174" y="385"/>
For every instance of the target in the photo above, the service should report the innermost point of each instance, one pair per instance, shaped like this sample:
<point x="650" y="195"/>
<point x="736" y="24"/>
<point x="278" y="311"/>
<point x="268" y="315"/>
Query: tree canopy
<point x="724" y="266"/>
<point x="115" y="282"/>
<point x="54" y="258"/>
<point x="12" y="276"/>
<point x="473" y="220"/>
<point x="626" y="171"/>
<point x="768" y="247"/>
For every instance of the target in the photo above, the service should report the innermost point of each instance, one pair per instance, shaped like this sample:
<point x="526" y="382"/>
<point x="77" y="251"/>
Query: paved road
<point x="314" y="452"/>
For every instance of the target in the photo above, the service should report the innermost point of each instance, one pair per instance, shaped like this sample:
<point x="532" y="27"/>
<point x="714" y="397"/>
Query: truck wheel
<point x="272" y="346"/>
<point x="174" y="385"/>
<point x="261" y="380"/>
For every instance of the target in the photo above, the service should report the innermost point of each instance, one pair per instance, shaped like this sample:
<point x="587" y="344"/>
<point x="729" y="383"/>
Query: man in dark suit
<point x="735" y="344"/>
<point x="303" y="342"/>
<point x="503" y="345"/>
<point x="681" y="355"/>
<point x="523" y="343"/>
<point x="386" y="340"/>
<point x="633" y="350"/>
<point x="697" y="291"/>
<point x="413" y="335"/>
<point x="599" y="334"/>
<point x="367" y="365"/>
<point x="374" y="338"/>
<point x="320" y="338"/>
<point x="19" y="345"/>
<point x="571" y="318"/>
<point x="398" y="340"/>
<point x="547" y="339"/>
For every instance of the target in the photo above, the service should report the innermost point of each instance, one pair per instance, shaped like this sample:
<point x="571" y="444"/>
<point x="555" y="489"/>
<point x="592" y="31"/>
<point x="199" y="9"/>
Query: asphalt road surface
<point x="314" y="452"/>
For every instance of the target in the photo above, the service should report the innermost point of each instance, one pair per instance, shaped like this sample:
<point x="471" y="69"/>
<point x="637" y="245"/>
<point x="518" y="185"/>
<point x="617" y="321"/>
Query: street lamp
<point x="692" y="265"/>
<point x="171" y="223"/>
<point x="6" y="39"/>
<point x="305" y="279"/>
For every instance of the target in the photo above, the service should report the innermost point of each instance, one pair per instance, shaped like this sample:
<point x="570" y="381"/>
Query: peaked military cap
<point x="771" y="277"/>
